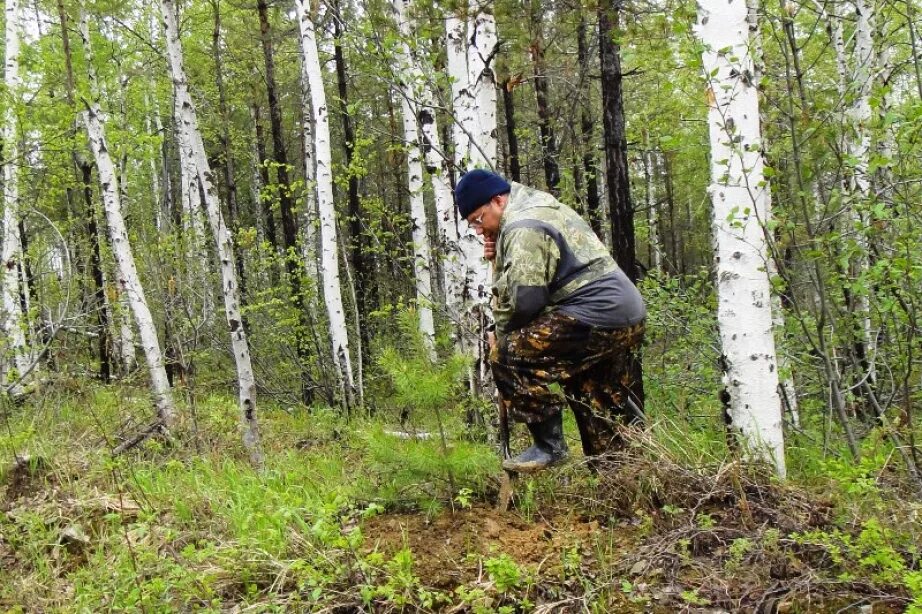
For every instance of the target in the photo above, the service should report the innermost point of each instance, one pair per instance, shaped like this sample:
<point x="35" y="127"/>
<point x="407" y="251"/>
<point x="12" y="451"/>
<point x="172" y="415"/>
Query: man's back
<point x="547" y="249"/>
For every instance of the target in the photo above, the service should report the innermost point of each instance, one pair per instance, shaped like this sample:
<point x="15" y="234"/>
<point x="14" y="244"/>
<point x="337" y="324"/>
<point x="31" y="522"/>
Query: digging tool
<point x="507" y="480"/>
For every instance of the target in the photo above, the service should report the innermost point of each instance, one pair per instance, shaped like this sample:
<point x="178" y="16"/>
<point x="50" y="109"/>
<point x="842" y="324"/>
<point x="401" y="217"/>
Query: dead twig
<point x="155" y="428"/>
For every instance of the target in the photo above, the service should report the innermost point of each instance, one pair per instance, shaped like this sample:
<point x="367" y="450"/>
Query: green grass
<point x="187" y="524"/>
<point x="201" y="526"/>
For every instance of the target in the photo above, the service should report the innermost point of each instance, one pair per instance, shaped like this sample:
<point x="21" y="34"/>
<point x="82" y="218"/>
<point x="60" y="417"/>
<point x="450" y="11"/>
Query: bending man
<point x="568" y="321"/>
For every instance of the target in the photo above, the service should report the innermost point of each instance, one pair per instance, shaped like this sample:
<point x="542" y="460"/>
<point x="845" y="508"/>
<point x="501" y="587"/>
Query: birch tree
<point x="786" y="390"/>
<point x="190" y="195"/>
<point x="409" y="76"/>
<point x="128" y="278"/>
<point x="483" y="46"/>
<point x="188" y="125"/>
<point x="437" y="163"/>
<point x="738" y="194"/>
<point x="329" y="252"/>
<point x="462" y="105"/>
<point x="858" y="184"/>
<point x="473" y="137"/>
<point x="471" y="46"/>
<point x="453" y="274"/>
<point x="124" y="338"/>
<point x="308" y="230"/>
<point x="649" y="162"/>
<point x="193" y="225"/>
<point x="154" y="127"/>
<point x="12" y="319"/>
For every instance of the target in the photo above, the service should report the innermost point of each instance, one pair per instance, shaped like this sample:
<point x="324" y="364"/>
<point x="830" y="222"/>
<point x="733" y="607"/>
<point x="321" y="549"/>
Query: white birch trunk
<point x="309" y="222"/>
<point x="128" y="277"/>
<point x="481" y="54"/>
<point x="188" y="126"/>
<point x="126" y="340"/>
<point x="453" y="269"/>
<point x="887" y="75"/>
<point x="437" y="165"/>
<point x="161" y="214"/>
<point x="410" y="78"/>
<point x="465" y="129"/>
<point x="859" y="149"/>
<point x="787" y="389"/>
<point x="834" y="27"/>
<point x="859" y="142"/>
<point x="12" y="319"/>
<point x="738" y="190"/>
<point x="649" y="169"/>
<point x="332" y="291"/>
<point x="477" y="273"/>
<point x="189" y="189"/>
<point x="193" y="223"/>
<point x="461" y="103"/>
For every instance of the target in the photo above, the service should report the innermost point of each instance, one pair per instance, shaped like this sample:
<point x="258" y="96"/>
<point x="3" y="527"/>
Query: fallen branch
<point x="153" y="429"/>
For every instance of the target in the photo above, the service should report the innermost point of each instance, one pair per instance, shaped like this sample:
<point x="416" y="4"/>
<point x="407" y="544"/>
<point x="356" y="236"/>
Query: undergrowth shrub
<point x="422" y="471"/>
<point x="681" y="366"/>
<point x="427" y="391"/>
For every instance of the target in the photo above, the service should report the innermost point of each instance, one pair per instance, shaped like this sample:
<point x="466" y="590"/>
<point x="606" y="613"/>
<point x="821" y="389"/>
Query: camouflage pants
<point x="556" y="361"/>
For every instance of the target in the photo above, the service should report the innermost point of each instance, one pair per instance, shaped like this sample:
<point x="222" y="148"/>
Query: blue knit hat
<point x="476" y="188"/>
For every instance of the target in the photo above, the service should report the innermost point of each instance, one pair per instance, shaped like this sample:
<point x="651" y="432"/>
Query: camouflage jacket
<point x="546" y="253"/>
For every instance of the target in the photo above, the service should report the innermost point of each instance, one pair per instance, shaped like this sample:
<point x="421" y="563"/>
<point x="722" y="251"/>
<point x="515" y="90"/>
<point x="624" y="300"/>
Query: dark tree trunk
<point x="172" y="164"/>
<point x="356" y="244"/>
<point x="28" y="295"/>
<point x="577" y="171"/>
<point x="75" y="241"/>
<point x="102" y="315"/>
<point x="86" y="175"/>
<point x="401" y="267"/>
<point x="268" y="214"/>
<point x="548" y="139"/>
<point x="230" y="182"/>
<point x="515" y="170"/>
<point x="289" y="226"/>
<point x="590" y="168"/>
<point x="619" y="192"/>
<point x="166" y="179"/>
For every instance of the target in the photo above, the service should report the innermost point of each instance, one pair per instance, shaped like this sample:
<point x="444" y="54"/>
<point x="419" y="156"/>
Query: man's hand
<point x="489" y="247"/>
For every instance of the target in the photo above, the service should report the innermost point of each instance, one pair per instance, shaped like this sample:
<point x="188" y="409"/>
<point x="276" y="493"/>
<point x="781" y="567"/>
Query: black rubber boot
<point x="549" y="448"/>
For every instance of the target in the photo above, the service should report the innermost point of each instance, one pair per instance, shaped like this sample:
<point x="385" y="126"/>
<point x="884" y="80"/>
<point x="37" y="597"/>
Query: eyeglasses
<point x="478" y="221"/>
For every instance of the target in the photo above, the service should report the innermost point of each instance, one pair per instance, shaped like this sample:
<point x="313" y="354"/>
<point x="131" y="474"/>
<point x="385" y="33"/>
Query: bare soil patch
<point x="448" y="550"/>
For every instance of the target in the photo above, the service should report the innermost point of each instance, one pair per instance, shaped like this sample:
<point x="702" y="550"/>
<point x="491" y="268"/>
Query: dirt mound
<point x="24" y="476"/>
<point x="448" y="550"/>
<point x="732" y="536"/>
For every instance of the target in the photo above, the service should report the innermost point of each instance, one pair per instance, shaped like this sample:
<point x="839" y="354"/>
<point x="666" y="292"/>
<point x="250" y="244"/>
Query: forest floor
<point x="348" y="518"/>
